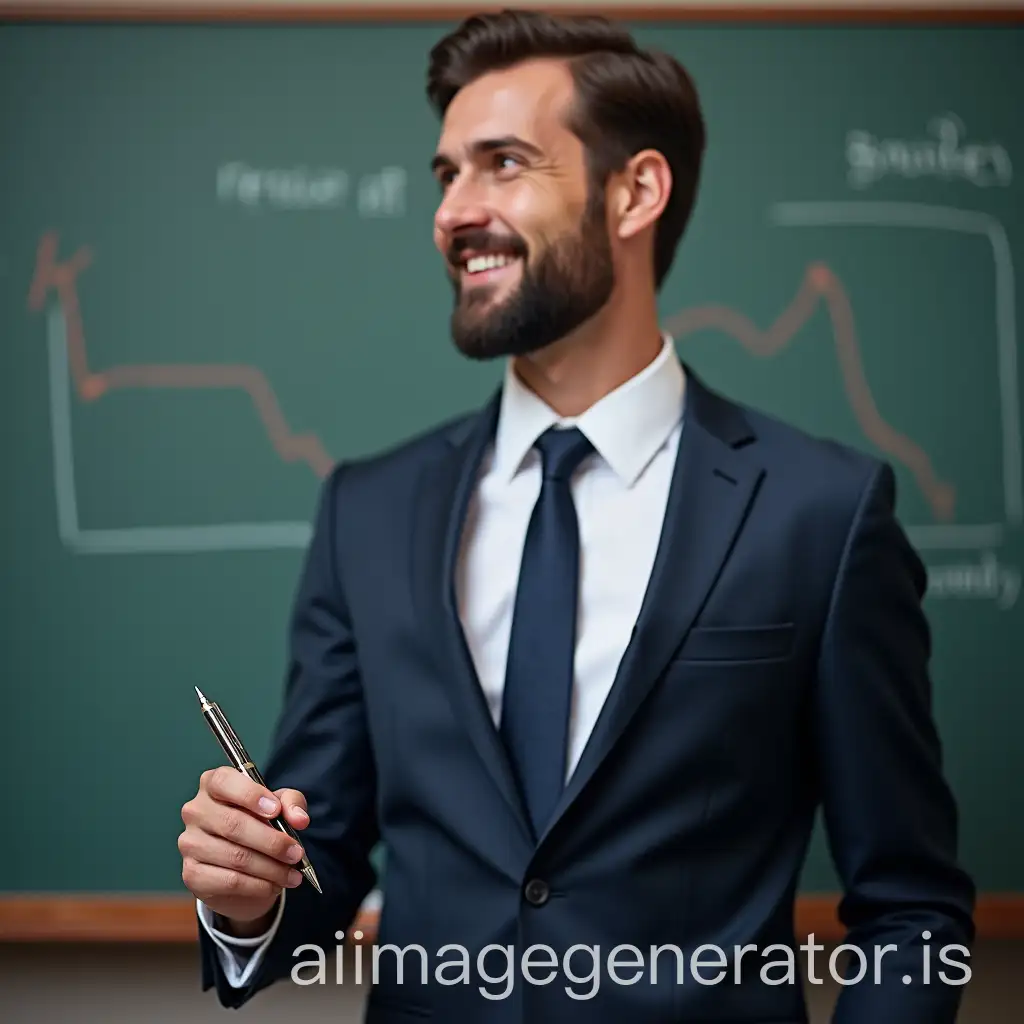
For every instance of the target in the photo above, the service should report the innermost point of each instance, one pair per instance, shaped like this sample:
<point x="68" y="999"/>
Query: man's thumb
<point x="294" y="804"/>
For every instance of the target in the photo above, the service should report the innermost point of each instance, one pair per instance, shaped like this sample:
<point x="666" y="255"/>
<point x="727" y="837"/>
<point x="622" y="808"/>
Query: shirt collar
<point x="626" y="427"/>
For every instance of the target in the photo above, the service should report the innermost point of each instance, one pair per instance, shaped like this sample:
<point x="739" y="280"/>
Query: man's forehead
<point x="528" y="101"/>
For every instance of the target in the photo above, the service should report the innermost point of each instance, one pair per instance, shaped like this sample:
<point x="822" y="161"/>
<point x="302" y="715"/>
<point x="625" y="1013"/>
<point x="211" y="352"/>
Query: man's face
<point x="524" y="238"/>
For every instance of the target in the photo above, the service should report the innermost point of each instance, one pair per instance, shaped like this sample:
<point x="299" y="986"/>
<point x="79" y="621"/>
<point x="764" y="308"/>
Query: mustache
<point x="481" y="241"/>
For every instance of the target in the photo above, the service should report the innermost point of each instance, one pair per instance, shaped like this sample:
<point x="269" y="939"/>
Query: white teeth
<point x="478" y="263"/>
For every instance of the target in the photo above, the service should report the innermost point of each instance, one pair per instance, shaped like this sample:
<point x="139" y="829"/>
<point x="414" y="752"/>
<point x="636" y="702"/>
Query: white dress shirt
<point x="620" y="492"/>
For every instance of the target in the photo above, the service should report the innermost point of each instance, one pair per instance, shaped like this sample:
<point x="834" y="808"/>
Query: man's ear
<point x="642" y="189"/>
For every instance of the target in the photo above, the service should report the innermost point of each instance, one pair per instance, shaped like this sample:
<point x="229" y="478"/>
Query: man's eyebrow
<point x="482" y="146"/>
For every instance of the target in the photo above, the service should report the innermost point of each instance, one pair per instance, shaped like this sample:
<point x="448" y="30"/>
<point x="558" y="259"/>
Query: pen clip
<point x="239" y="746"/>
<point x="225" y="735"/>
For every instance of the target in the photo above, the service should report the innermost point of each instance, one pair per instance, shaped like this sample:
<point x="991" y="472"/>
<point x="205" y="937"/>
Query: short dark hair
<point x="627" y="99"/>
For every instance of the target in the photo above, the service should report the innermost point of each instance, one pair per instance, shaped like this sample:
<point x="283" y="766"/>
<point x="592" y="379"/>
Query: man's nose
<point x="462" y="207"/>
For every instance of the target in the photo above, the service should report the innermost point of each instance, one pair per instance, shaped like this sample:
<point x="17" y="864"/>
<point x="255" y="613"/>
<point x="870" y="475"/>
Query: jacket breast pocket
<point x="732" y="644"/>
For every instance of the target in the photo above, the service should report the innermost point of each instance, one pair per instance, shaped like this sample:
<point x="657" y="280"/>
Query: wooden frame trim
<point x="164" y="919"/>
<point x="960" y="12"/>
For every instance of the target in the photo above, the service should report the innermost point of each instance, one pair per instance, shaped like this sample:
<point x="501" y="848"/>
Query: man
<point x="588" y="660"/>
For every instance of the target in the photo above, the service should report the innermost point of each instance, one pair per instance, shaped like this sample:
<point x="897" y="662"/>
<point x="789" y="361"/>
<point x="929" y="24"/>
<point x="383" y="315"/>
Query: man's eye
<point x="507" y="162"/>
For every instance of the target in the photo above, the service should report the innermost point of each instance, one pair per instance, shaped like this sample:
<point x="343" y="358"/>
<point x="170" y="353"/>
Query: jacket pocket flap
<point x="738" y="643"/>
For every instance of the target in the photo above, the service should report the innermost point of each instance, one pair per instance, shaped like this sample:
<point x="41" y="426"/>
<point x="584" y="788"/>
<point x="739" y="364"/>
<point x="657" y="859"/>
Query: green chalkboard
<point x="217" y="277"/>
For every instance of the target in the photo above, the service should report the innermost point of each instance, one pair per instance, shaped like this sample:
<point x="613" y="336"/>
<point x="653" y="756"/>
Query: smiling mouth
<point x="492" y="261"/>
<point x="480" y="269"/>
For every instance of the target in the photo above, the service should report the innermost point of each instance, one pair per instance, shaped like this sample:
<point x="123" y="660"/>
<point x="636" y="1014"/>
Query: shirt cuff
<point x="239" y="957"/>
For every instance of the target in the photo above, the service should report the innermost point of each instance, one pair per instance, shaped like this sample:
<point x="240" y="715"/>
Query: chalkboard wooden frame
<point x="117" y="918"/>
<point x="277" y="12"/>
<point x="171" y="919"/>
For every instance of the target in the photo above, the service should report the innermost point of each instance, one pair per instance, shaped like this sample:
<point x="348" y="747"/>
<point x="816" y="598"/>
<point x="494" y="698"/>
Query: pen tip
<point x="311" y="875"/>
<point x="199" y="694"/>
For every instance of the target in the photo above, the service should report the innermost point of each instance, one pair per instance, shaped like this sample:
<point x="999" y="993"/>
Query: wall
<point x="133" y="985"/>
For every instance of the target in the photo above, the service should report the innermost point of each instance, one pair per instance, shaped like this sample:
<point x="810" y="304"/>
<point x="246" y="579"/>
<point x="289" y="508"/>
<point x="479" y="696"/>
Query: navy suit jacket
<point x="779" y="664"/>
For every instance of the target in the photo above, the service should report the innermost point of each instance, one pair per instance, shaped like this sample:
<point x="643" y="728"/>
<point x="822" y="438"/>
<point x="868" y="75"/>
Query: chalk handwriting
<point x="944" y="156"/>
<point x="383" y="194"/>
<point x="986" y="579"/>
<point x="296" y="188"/>
<point x="376" y="194"/>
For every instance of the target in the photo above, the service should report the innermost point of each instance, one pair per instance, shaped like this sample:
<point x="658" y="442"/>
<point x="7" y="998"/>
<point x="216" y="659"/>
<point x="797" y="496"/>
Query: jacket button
<point x="537" y="892"/>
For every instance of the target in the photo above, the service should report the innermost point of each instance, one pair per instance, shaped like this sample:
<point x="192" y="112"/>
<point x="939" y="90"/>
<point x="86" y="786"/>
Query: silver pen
<point x="228" y="739"/>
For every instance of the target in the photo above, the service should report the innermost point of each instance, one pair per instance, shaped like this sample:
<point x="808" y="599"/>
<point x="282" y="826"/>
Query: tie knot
<point x="562" y="450"/>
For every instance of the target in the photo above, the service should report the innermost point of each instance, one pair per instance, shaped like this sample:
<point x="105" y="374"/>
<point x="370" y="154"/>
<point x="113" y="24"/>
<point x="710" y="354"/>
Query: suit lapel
<point x="712" y="488"/>
<point x="443" y="496"/>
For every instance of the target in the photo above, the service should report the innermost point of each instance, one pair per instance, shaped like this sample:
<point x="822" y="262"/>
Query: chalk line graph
<point x="820" y="284"/>
<point x="69" y="367"/>
<point x="867" y="214"/>
<point x="70" y="373"/>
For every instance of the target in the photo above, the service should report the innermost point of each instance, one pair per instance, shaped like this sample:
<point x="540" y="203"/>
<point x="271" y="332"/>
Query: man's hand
<point x="233" y="859"/>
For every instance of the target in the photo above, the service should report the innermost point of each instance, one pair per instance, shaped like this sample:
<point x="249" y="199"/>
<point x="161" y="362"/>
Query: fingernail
<point x="300" y="813"/>
<point x="295" y="854"/>
<point x="267" y="806"/>
<point x="294" y="878"/>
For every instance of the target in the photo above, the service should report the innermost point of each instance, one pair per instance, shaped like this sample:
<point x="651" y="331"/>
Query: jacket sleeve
<point x="321" y="747"/>
<point x="890" y="816"/>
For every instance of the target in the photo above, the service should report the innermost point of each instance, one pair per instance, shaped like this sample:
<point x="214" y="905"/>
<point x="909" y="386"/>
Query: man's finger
<point x="240" y="827"/>
<point x="294" y="804"/>
<point x="211" y="882"/>
<point x="208" y="849"/>
<point x="230" y="786"/>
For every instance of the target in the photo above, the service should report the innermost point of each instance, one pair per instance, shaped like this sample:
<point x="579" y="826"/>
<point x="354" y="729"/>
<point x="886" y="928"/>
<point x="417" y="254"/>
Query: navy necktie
<point x="539" y="675"/>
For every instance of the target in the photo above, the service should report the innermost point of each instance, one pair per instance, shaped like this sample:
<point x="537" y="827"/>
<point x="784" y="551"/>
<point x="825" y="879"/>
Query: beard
<point x="568" y="284"/>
